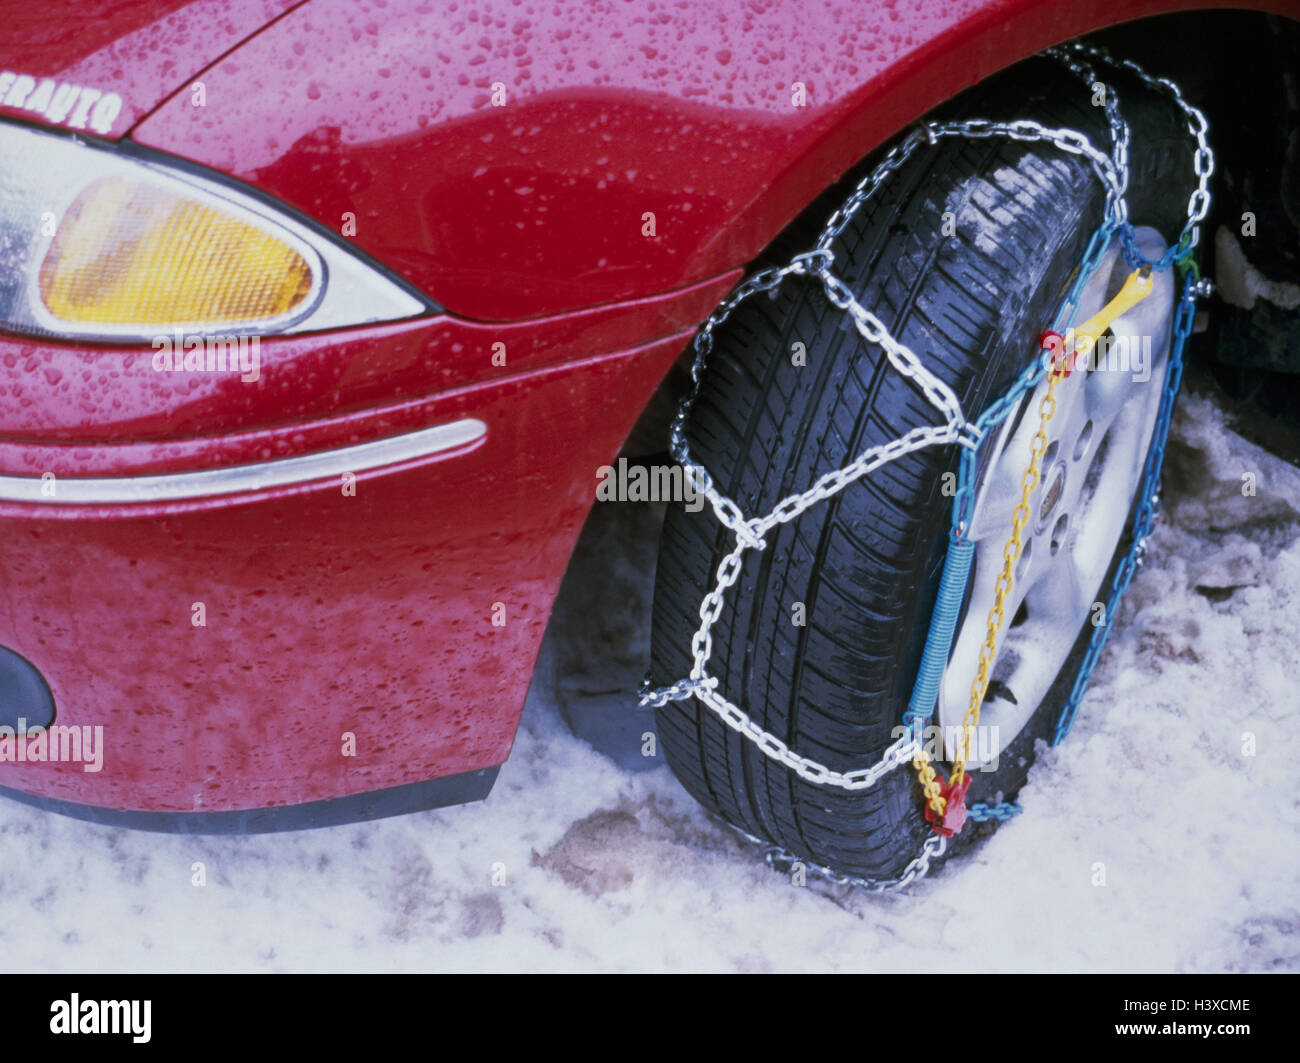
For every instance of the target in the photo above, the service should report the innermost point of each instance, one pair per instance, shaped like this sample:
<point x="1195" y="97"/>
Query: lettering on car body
<point x="61" y="102"/>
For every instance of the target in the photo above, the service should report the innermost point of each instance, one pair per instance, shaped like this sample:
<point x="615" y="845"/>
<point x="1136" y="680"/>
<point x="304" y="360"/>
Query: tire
<point x="866" y="562"/>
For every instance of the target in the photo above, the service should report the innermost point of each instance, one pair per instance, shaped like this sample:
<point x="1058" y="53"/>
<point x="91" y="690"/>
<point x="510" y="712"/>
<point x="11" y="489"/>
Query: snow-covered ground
<point x="610" y="869"/>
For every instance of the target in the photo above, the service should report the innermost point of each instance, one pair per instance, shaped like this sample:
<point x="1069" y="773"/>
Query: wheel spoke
<point x="957" y="682"/>
<point x="998" y="496"/>
<point x="954" y="693"/>
<point x="1059" y="596"/>
<point x="1105" y="392"/>
<point x="998" y="501"/>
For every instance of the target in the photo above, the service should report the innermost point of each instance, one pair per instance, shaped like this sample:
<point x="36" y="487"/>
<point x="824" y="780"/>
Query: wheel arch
<point x="988" y="43"/>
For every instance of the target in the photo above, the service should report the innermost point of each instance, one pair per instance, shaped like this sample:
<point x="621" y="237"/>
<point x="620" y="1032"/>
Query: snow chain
<point x="945" y="807"/>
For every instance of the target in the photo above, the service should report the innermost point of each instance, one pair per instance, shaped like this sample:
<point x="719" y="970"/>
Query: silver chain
<point x="1119" y="129"/>
<point x="955" y="428"/>
<point x="1198" y="128"/>
<point x="934" y="846"/>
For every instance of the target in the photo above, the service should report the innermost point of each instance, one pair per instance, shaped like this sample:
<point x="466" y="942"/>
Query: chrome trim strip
<point x="237" y="479"/>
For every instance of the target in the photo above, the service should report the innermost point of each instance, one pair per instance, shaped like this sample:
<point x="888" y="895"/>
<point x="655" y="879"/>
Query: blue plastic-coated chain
<point x="1003" y="810"/>
<point x="1144" y="519"/>
<point x="1092" y="256"/>
<point x="1136" y="260"/>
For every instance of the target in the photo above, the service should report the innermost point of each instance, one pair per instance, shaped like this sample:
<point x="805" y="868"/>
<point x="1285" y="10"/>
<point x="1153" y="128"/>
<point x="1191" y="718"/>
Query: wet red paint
<point x="52" y="394"/>
<point x="372" y="614"/>
<point x="325" y="614"/>
<point x="613" y="110"/>
<point x="143" y="50"/>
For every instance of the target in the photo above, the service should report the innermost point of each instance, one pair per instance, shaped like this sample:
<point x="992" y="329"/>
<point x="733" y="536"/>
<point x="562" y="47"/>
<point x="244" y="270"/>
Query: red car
<point x="320" y="321"/>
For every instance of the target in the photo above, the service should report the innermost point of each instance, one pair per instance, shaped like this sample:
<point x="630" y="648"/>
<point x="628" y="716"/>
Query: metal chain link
<point x="1198" y="127"/>
<point x="1120" y="133"/>
<point x="955" y="428"/>
<point x="780" y="859"/>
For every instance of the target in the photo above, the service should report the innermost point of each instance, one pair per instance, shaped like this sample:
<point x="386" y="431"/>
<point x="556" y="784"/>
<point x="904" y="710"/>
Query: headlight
<point x="97" y="244"/>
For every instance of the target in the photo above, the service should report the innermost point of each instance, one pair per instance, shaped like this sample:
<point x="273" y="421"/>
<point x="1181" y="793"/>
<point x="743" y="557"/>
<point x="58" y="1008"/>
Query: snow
<point x="601" y="868"/>
<point x="1240" y="283"/>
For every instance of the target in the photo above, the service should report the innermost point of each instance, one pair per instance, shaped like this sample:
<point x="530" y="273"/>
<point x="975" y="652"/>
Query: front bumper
<point x="298" y="641"/>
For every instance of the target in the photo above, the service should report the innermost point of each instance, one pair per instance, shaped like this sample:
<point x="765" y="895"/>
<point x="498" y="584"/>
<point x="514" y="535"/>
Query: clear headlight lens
<point x="101" y="245"/>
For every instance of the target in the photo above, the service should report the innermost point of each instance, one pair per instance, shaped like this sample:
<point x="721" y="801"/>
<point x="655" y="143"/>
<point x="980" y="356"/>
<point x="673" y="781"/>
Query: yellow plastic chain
<point x="1137" y="287"/>
<point x="1010" y="555"/>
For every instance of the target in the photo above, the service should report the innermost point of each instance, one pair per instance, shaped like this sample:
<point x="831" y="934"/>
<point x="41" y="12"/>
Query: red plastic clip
<point x="954" y="808"/>
<point x="1062" y="363"/>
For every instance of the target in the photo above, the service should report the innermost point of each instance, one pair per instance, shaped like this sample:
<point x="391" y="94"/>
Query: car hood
<point x="101" y="66"/>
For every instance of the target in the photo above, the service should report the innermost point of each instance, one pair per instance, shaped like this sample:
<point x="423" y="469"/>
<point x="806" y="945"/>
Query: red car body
<point x="409" y="615"/>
